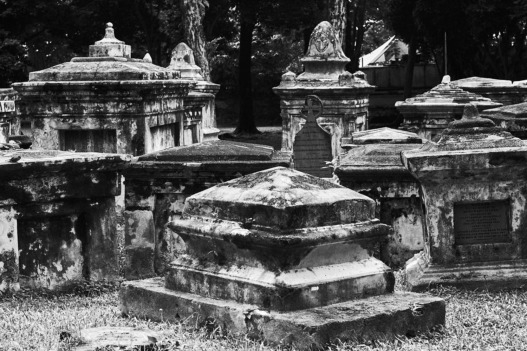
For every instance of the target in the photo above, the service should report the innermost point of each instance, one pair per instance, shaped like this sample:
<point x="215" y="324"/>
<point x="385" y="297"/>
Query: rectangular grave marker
<point x="485" y="222"/>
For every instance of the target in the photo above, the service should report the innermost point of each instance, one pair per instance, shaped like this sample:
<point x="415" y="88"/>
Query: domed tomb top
<point x="507" y="112"/>
<point x="481" y="82"/>
<point x="472" y="132"/>
<point x="281" y="198"/>
<point x="109" y="60"/>
<point x="385" y="136"/>
<point x="447" y="94"/>
<point x="215" y="150"/>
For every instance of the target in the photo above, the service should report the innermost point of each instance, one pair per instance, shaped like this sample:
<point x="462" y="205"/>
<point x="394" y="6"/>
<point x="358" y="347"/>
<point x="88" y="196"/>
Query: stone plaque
<point x="312" y="146"/>
<point x="7" y="106"/>
<point x="482" y="222"/>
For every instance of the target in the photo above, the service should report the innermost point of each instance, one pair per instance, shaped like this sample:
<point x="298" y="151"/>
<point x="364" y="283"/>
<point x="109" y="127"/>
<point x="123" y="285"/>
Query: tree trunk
<point x="246" y="122"/>
<point x="356" y="16"/>
<point x="337" y="17"/>
<point x="409" y="72"/>
<point x="193" y="12"/>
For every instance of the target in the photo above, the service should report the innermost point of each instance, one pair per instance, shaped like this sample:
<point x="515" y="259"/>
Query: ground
<point x="476" y="320"/>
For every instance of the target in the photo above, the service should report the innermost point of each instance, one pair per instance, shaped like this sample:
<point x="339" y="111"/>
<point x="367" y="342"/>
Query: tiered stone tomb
<point x="199" y="103"/>
<point x="428" y="114"/>
<point x="503" y="91"/>
<point x="158" y="184"/>
<point x="344" y="97"/>
<point x="373" y="167"/>
<point x="107" y="102"/>
<point x="512" y="118"/>
<point x="474" y="190"/>
<point x="284" y="256"/>
<point x="57" y="217"/>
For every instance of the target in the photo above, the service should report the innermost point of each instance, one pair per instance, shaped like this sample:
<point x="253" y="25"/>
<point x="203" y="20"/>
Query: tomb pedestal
<point x="64" y="228"/>
<point x="199" y="103"/>
<point x="107" y="102"/>
<point x="372" y="166"/>
<point x="345" y="97"/>
<point x="428" y="114"/>
<point x="157" y="185"/>
<point x="474" y="190"/>
<point x="284" y="256"/>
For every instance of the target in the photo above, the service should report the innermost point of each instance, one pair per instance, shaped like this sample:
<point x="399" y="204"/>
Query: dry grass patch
<point x="476" y="320"/>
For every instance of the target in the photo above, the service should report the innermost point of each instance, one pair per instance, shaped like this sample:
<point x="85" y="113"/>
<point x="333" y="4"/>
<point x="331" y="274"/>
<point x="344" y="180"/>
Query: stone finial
<point x="360" y="75"/>
<point x="345" y="78"/>
<point x="446" y="79"/>
<point x="109" y="46"/>
<point x="147" y="58"/>
<point x="325" y="44"/>
<point x="288" y="79"/>
<point x="183" y="61"/>
<point x="109" y="36"/>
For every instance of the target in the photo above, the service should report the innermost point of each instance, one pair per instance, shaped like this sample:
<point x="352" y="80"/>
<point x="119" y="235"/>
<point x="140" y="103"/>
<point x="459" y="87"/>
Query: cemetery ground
<point x="476" y="320"/>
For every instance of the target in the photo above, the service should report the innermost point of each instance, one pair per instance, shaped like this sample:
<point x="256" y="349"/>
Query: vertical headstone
<point x="312" y="146"/>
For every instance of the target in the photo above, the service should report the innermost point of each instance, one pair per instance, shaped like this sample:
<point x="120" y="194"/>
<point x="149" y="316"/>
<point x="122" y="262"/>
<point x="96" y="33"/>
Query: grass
<point x="476" y="320"/>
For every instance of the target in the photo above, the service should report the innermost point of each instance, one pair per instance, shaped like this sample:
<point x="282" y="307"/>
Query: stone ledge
<point x="380" y="317"/>
<point x="488" y="275"/>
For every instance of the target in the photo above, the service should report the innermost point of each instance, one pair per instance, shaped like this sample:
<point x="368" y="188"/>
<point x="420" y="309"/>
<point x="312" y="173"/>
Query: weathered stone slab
<point x="491" y="275"/>
<point x="380" y="317"/>
<point x="118" y="338"/>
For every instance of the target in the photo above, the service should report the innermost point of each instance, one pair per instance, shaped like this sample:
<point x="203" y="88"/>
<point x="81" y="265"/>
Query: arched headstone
<point x="312" y="146"/>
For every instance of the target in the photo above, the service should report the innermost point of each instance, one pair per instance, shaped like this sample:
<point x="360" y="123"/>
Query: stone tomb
<point x="474" y="189"/>
<point x="345" y="96"/>
<point x="157" y="185"/>
<point x="287" y="257"/>
<point x="57" y="217"/>
<point x="373" y="167"/>
<point x="428" y="114"/>
<point x="107" y="102"/>
<point x="499" y="90"/>
<point x="199" y="103"/>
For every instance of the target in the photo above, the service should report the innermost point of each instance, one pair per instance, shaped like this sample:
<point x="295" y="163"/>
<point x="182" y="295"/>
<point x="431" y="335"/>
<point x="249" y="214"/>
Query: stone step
<point x="284" y="291"/>
<point x="380" y="317"/>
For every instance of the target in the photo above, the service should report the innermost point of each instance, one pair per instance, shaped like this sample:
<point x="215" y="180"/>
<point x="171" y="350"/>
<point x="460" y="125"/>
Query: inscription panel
<point x="482" y="222"/>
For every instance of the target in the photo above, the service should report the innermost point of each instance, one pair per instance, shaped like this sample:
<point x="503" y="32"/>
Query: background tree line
<point x="245" y="45"/>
